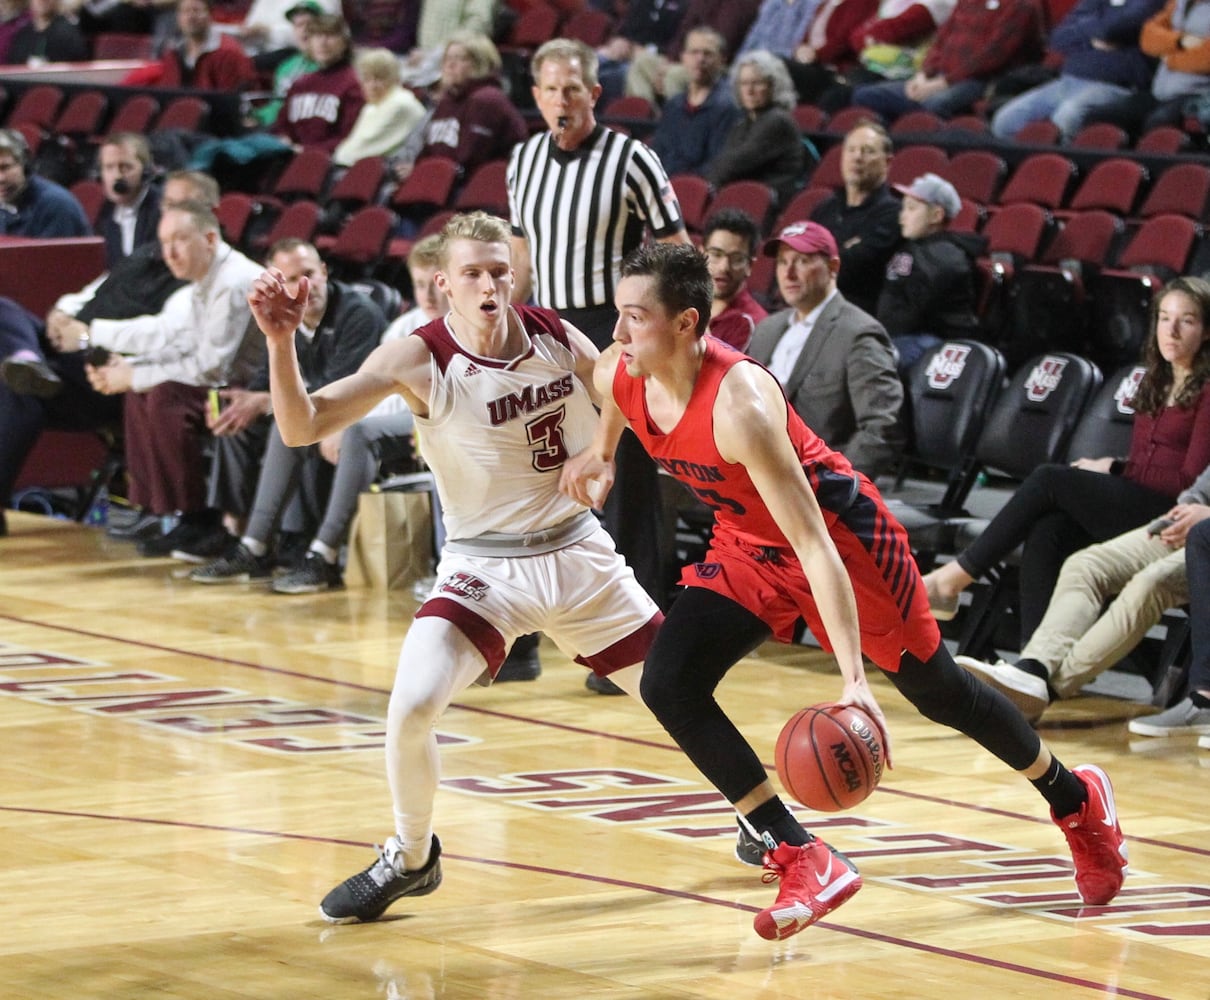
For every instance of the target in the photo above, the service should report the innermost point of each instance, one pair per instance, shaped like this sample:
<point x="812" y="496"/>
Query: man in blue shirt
<point x="31" y="205"/>
<point x="695" y="123"/>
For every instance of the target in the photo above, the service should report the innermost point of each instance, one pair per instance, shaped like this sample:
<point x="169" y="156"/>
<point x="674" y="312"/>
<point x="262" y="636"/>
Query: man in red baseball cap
<point x="834" y="361"/>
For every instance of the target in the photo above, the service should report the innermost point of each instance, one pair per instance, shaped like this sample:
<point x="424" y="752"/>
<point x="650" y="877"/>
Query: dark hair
<point x="682" y="280"/>
<point x="1152" y="395"/>
<point x="733" y="220"/>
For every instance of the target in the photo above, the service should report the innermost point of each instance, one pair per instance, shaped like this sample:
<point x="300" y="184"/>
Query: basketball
<point x="829" y="757"/>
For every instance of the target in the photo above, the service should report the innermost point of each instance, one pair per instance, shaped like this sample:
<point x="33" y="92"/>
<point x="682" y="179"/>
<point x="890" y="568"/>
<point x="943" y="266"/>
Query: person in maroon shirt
<point x="320" y="108"/>
<point x="204" y="59"/>
<point x="474" y="120"/>
<point x="729" y="241"/>
<point x="1059" y="509"/>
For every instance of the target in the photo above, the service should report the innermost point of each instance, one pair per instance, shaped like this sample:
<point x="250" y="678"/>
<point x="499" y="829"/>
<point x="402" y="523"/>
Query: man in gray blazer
<point x="834" y="361"/>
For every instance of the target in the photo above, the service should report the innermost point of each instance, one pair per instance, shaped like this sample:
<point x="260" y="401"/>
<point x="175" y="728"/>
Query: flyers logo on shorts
<point x="464" y="585"/>
<point x="1045" y="378"/>
<point x="946" y="366"/>
<point x="707" y="571"/>
<point x="1124" y="396"/>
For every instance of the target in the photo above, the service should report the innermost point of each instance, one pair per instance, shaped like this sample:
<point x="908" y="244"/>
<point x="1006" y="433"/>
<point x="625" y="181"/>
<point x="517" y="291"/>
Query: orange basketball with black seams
<point x="829" y="757"/>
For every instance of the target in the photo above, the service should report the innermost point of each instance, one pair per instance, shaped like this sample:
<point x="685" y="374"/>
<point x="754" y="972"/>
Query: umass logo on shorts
<point x="947" y="366"/>
<point x="1045" y="378"/>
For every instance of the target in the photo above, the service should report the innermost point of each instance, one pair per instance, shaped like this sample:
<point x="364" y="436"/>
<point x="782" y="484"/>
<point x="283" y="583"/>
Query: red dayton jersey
<point x="749" y="561"/>
<point x="689" y="453"/>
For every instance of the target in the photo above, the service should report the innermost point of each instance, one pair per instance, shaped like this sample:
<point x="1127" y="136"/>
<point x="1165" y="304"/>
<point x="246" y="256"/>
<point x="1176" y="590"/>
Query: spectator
<point x="385" y="24"/>
<point x="474" y="121"/>
<point x="390" y="113"/>
<point x="166" y="363"/>
<point x="1179" y="37"/>
<point x="48" y="37"/>
<point x="778" y="26"/>
<point x="979" y="41"/>
<point x="1059" y="509"/>
<point x="660" y="75"/>
<point x="580" y="197"/>
<point x="729" y="240"/>
<point x="384" y="437"/>
<point x="204" y="58"/>
<point x="339" y="329"/>
<point x="131" y="211"/>
<point x="321" y="107"/>
<point x="764" y="143"/>
<point x="694" y="123"/>
<point x="929" y="291"/>
<point x="895" y="39"/>
<point x="864" y="218"/>
<point x="438" y="24"/>
<point x="821" y="59"/>
<point x="43" y="381"/>
<point x="288" y="65"/>
<point x="269" y="24"/>
<point x="646" y="25"/>
<point x="31" y="205"/>
<point x="318" y="112"/>
<point x="14" y="15"/>
<point x="1191" y="715"/>
<point x="1102" y="64"/>
<point x="1106" y="599"/>
<point x="834" y="361"/>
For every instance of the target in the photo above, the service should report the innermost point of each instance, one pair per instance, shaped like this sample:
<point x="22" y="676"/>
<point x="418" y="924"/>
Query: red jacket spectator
<point x="224" y="67"/>
<point x="980" y="40"/>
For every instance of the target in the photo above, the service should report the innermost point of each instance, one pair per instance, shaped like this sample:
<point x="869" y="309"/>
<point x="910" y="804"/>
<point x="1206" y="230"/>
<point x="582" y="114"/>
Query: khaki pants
<point x="1076" y="640"/>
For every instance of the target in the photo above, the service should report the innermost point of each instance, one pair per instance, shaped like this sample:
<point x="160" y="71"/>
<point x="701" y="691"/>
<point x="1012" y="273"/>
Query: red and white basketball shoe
<point x="815" y="880"/>
<point x="1098" y="848"/>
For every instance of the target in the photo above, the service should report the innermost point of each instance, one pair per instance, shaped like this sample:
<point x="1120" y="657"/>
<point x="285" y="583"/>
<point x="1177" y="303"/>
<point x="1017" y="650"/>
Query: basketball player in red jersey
<point x="797" y="534"/>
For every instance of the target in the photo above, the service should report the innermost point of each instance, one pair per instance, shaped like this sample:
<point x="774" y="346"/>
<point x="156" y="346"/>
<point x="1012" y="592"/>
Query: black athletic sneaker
<point x="366" y="895"/>
<point x="312" y="575"/>
<point x="29" y="375"/>
<point x="749" y="848"/>
<point x="601" y="685"/>
<point x="520" y="665"/>
<point x="237" y="566"/>
<point x="185" y="535"/>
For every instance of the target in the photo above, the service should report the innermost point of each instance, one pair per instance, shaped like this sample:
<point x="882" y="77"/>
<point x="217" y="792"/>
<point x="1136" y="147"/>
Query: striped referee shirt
<point x="583" y="210"/>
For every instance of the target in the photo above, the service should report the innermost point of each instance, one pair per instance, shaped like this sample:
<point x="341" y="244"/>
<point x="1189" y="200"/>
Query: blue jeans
<point x="890" y="99"/>
<point x="1066" y="101"/>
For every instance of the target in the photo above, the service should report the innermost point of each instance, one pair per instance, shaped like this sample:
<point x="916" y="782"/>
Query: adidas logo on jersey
<point x="472" y="369"/>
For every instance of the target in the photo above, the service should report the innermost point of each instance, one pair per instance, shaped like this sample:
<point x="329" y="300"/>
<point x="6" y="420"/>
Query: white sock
<point x="258" y="549"/>
<point x="329" y="554"/>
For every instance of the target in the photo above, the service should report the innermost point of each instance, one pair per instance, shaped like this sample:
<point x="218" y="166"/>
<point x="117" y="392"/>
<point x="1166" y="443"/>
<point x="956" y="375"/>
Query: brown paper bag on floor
<point x="390" y="541"/>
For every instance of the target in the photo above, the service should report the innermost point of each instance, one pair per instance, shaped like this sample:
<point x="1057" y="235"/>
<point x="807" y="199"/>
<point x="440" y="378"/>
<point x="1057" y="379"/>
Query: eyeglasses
<point x="736" y="259"/>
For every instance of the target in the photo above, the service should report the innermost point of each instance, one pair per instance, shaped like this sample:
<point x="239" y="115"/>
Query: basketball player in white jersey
<point x="501" y="397"/>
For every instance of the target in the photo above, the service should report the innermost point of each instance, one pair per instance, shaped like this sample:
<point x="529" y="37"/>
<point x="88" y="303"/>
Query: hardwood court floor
<point x="187" y="770"/>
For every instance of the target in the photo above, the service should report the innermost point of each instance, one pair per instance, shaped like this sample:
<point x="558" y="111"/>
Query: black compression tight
<point x="705" y="634"/>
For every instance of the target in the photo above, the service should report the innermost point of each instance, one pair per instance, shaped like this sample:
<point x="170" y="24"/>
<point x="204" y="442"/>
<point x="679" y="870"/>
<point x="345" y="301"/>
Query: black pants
<point x="1197" y="566"/>
<point x="632" y="510"/>
<point x="705" y="634"/>
<point x="1058" y="510"/>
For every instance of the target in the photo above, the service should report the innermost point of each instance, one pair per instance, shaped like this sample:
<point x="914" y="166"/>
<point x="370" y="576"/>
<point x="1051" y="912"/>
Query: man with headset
<point x="31" y="205"/>
<point x="131" y="210"/>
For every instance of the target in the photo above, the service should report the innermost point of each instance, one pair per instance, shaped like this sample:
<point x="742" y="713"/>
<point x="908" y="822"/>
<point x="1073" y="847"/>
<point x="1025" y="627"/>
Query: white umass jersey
<point x="498" y="432"/>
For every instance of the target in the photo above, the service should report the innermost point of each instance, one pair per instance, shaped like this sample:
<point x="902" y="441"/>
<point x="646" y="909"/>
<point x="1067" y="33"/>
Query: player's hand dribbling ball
<point x="829" y="757"/>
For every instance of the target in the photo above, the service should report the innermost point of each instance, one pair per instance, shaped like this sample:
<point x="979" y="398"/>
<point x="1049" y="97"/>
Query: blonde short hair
<point x="378" y="64"/>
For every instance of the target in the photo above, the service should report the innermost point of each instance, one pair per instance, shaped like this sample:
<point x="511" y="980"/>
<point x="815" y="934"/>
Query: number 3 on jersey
<point x="546" y="437"/>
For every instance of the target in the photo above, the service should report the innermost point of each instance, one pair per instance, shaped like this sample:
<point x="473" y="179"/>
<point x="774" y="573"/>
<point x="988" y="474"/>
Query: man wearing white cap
<point x="929" y="289"/>
<point x="834" y="361"/>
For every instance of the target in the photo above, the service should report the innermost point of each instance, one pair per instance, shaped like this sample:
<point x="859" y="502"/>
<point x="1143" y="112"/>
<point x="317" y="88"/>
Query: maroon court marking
<point x="579" y="730"/>
<point x="655" y="890"/>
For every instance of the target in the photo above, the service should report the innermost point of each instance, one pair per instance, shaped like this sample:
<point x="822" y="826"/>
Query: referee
<point x="580" y="198"/>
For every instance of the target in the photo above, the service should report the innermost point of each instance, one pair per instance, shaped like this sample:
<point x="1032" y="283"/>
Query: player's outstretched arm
<point x="588" y="477"/>
<point x="750" y="428"/>
<point x="399" y="366"/>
